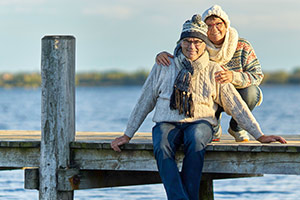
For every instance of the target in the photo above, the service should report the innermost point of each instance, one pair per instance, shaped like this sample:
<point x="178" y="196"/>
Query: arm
<point x="163" y="58"/>
<point x="252" y="73"/>
<point x="233" y="105"/>
<point x="143" y="107"/>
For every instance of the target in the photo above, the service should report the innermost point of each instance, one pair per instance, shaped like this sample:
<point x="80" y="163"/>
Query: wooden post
<point x="206" y="191"/>
<point x="58" y="113"/>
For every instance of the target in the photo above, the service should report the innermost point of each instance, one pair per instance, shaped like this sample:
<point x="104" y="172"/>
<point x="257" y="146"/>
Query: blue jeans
<point x="167" y="138"/>
<point x="251" y="96"/>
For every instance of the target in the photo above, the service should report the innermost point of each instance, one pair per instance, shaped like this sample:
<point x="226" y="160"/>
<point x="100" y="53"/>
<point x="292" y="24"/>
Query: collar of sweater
<point x="200" y="63"/>
<point x="224" y="54"/>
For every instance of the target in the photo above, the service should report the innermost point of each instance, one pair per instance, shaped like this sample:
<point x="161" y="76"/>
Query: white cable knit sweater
<point x="207" y="94"/>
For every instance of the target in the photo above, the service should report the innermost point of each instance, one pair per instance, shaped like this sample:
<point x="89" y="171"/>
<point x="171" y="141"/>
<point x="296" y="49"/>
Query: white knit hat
<point x="216" y="10"/>
<point x="195" y="28"/>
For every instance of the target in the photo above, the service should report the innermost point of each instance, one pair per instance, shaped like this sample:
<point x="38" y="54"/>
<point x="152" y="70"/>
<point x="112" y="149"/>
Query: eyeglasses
<point x="218" y="25"/>
<point x="187" y="42"/>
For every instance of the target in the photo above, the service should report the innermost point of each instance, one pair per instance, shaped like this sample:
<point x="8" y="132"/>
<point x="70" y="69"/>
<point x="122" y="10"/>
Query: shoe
<point x="217" y="134"/>
<point x="239" y="136"/>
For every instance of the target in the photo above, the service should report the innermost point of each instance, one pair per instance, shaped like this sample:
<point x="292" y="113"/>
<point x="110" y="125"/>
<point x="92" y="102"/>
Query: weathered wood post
<point x="206" y="191"/>
<point x="58" y="113"/>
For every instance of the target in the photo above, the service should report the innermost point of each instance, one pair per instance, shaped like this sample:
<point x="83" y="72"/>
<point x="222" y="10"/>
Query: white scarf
<point x="225" y="53"/>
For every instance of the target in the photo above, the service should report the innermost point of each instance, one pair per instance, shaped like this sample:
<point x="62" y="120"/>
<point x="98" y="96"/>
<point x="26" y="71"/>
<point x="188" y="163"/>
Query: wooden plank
<point x="215" y="161"/>
<point x="87" y="179"/>
<point x="107" y="159"/>
<point x="141" y="137"/>
<point x="74" y="179"/>
<point x="87" y="153"/>
<point x="32" y="179"/>
<point x="19" y="144"/>
<point x="19" y="157"/>
<point x="225" y="162"/>
<point x="252" y="163"/>
<point x="233" y="147"/>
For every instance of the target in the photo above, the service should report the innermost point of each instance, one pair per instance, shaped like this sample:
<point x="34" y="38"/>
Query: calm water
<point x="107" y="109"/>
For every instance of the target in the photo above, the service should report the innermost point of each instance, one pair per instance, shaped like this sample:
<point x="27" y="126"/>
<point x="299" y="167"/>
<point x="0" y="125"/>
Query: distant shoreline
<point x="119" y="78"/>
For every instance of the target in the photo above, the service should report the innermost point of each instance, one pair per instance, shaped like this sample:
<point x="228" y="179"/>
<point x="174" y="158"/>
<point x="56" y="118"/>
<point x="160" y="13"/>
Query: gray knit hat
<point x="194" y="28"/>
<point x="216" y="10"/>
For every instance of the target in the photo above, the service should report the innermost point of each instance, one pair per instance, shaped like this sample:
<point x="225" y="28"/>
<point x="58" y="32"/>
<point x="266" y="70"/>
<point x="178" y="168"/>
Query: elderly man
<point x="186" y="97"/>
<point x="237" y="57"/>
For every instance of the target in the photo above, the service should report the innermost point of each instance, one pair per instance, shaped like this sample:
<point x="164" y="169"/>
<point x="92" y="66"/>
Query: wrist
<point x="127" y="137"/>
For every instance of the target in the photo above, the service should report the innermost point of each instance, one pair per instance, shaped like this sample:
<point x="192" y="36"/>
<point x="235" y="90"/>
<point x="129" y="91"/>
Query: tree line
<point x="117" y="78"/>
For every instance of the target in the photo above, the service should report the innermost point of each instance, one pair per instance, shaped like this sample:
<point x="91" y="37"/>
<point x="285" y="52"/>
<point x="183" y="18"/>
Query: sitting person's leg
<point x="196" y="137"/>
<point x="218" y="129"/>
<point x="167" y="138"/>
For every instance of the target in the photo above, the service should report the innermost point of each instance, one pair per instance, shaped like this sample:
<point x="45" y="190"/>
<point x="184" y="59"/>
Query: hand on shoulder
<point x="163" y="58"/>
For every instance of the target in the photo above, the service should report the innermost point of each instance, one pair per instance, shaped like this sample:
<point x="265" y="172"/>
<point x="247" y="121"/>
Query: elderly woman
<point x="238" y="60"/>
<point x="186" y="96"/>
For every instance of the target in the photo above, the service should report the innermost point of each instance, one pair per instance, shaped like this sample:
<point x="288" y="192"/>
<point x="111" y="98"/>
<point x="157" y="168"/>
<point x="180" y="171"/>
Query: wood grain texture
<point x="91" y="151"/>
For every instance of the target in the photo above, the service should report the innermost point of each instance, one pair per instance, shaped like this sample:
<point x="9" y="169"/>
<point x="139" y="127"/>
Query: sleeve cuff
<point x="237" y="78"/>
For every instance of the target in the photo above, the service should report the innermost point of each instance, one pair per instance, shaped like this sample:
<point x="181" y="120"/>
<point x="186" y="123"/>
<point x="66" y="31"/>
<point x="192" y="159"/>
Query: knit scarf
<point x="224" y="54"/>
<point x="181" y="98"/>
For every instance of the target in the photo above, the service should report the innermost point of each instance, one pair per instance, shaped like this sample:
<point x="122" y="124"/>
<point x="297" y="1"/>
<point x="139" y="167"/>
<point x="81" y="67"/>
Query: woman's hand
<point x="163" y="58"/>
<point x="224" y="77"/>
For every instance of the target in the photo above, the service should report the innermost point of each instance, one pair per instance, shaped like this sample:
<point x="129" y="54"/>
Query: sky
<point x="126" y="35"/>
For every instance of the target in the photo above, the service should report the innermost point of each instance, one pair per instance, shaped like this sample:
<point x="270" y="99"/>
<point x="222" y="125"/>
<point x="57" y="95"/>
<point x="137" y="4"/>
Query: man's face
<point x="192" y="48"/>
<point x="216" y="30"/>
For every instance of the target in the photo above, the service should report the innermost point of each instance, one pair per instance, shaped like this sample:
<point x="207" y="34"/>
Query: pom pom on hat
<point x="216" y="10"/>
<point x="195" y="28"/>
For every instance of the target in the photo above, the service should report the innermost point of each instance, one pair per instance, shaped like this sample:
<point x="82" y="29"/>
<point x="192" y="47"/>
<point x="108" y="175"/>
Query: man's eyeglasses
<point x="187" y="42"/>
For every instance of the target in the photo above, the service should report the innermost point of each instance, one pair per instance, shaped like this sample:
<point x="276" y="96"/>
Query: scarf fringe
<point x="183" y="102"/>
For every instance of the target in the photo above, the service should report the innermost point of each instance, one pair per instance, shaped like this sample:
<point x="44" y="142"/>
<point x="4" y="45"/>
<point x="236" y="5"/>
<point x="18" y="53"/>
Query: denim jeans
<point x="251" y="96"/>
<point x="167" y="138"/>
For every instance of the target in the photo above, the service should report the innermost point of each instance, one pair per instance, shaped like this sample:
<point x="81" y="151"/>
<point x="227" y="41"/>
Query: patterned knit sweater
<point x="207" y="94"/>
<point x="245" y="66"/>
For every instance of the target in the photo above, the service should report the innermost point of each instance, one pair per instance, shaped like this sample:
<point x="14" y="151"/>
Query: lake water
<point x="108" y="108"/>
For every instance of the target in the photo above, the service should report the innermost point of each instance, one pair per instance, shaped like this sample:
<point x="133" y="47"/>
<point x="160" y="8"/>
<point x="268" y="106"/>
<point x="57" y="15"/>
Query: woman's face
<point x="216" y="30"/>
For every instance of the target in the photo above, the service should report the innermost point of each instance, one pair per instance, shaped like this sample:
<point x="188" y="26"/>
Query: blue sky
<point x="127" y="34"/>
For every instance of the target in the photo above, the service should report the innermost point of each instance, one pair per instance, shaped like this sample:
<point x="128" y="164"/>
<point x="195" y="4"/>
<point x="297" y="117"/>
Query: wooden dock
<point x="57" y="160"/>
<point x="95" y="165"/>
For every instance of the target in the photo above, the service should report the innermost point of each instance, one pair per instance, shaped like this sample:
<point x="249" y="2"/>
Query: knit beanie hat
<point x="194" y="28"/>
<point x="216" y="10"/>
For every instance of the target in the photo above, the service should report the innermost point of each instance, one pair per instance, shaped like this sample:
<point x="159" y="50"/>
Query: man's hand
<point x="163" y="58"/>
<point x="116" y="143"/>
<point x="224" y="77"/>
<point x="271" y="138"/>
